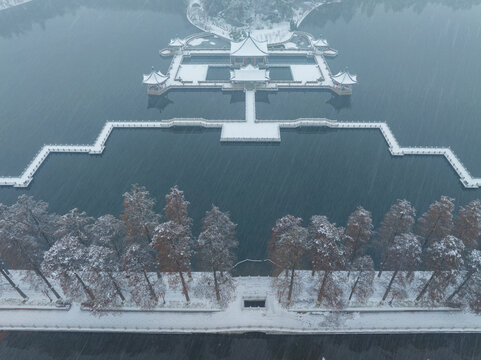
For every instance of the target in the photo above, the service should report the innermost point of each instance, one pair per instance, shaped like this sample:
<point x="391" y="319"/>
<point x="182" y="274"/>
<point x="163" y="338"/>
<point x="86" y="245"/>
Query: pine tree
<point x="444" y="258"/>
<point x="139" y="216"/>
<point x="398" y="220"/>
<point x="363" y="285"/>
<point x="473" y="268"/>
<point x="404" y="254"/>
<point x="65" y="261"/>
<point x="288" y="244"/>
<point x="75" y="223"/>
<point x="173" y="245"/>
<point x="436" y="223"/>
<point x="359" y="228"/>
<point x="138" y="262"/>
<point x="467" y="225"/>
<point x="25" y="234"/>
<point x="327" y="254"/>
<point x="216" y="243"/>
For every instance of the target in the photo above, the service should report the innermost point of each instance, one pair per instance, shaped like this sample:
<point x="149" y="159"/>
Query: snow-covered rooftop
<point x="320" y="43"/>
<point x="176" y="42"/>
<point x="345" y="78"/>
<point x="249" y="73"/>
<point x="249" y="47"/>
<point x="154" y="78"/>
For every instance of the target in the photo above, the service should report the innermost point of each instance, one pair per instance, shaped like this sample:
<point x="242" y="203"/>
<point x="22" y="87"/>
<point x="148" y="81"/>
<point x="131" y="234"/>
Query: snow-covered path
<point x="274" y="318"/>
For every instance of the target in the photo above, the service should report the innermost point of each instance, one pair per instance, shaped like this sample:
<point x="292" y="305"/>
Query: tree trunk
<point x="117" y="287"/>
<point x="10" y="281"/>
<point x="291" y="285"/>
<point x="455" y="292"/>
<point x="390" y="285"/>
<point x="354" y="286"/>
<point x="216" y="286"/>
<point x="428" y="236"/>
<point x="320" y="294"/>
<point x="425" y="288"/>
<point x="85" y="287"/>
<point x="381" y="266"/>
<point x="50" y="286"/>
<point x="151" y="289"/>
<point x="184" y="286"/>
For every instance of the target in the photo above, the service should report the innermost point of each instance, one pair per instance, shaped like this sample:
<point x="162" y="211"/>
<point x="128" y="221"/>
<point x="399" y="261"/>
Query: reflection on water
<point x="80" y="346"/>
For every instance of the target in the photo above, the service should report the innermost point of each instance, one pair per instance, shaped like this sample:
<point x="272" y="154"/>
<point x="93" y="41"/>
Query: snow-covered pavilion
<point x="248" y="51"/>
<point x="249" y="74"/>
<point x="155" y="79"/>
<point x="320" y="43"/>
<point x="176" y="43"/>
<point x="344" y="79"/>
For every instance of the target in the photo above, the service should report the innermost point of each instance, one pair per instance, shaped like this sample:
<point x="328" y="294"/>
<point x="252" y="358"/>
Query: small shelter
<point x="344" y="79"/>
<point x="176" y="43"/>
<point x="248" y="51"/>
<point x="320" y="43"/>
<point x="249" y="74"/>
<point x="155" y="79"/>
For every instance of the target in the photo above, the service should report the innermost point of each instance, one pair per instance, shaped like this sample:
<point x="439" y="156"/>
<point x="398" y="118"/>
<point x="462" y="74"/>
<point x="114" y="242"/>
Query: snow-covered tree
<point x="176" y="208"/>
<point x="109" y="231"/>
<point x="473" y="267"/>
<point x="444" y="258"/>
<point x="362" y="287"/>
<point x="75" y="223"/>
<point x="359" y="229"/>
<point x="25" y="234"/>
<point x="216" y="243"/>
<point x="467" y="225"/>
<point x="138" y="262"/>
<point x="65" y="261"/>
<point x="398" y="220"/>
<point x="327" y="255"/>
<point x="436" y="223"/>
<point x="101" y="271"/>
<point x="173" y="244"/>
<point x="139" y="216"/>
<point x="404" y="254"/>
<point x="288" y="244"/>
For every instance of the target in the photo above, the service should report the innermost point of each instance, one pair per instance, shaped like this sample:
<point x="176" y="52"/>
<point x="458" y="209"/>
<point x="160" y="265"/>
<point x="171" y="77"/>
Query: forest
<point x="137" y="257"/>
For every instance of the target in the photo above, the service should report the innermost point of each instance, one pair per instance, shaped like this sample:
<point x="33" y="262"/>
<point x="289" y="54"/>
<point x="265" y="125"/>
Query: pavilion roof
<point x="249" y="47"/>
<point x="320" y="43"/>
<point x="154" y="78"/>
<point x="345" y="78"/>
<point x="249" y="73"/>
<point x="176" y="42"/>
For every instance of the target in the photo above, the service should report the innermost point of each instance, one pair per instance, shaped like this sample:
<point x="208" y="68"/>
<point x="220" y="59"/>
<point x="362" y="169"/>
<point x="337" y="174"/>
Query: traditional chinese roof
<point x="249" y="73"/>
<point x="320" y="43"/>
<point x="249" y="48"/>
<point x="176" y="42"/>
<point x="154" y="78"/>
<point x="345" y="78"/>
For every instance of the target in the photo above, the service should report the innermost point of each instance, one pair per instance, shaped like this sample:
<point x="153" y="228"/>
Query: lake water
<point x="68" y="66"/>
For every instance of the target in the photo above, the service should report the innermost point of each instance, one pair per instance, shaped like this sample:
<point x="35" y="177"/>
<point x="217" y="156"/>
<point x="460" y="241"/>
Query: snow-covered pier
<point x="252" y="130"/>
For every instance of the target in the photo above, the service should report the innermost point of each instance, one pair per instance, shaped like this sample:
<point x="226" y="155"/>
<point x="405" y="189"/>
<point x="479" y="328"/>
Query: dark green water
<point x="68" y="66"/>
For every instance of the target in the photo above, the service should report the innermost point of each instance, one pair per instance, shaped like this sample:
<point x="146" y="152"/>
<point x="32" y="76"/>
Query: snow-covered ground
<point x="260" y="29"/>
<point x="204" y="316"/>
<point x="5" y="4"/>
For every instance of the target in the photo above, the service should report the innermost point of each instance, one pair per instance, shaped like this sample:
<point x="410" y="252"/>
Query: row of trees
<point x="107" y="260"/>
<point x="439" y="241"/>
<point x="96" y="259"/>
